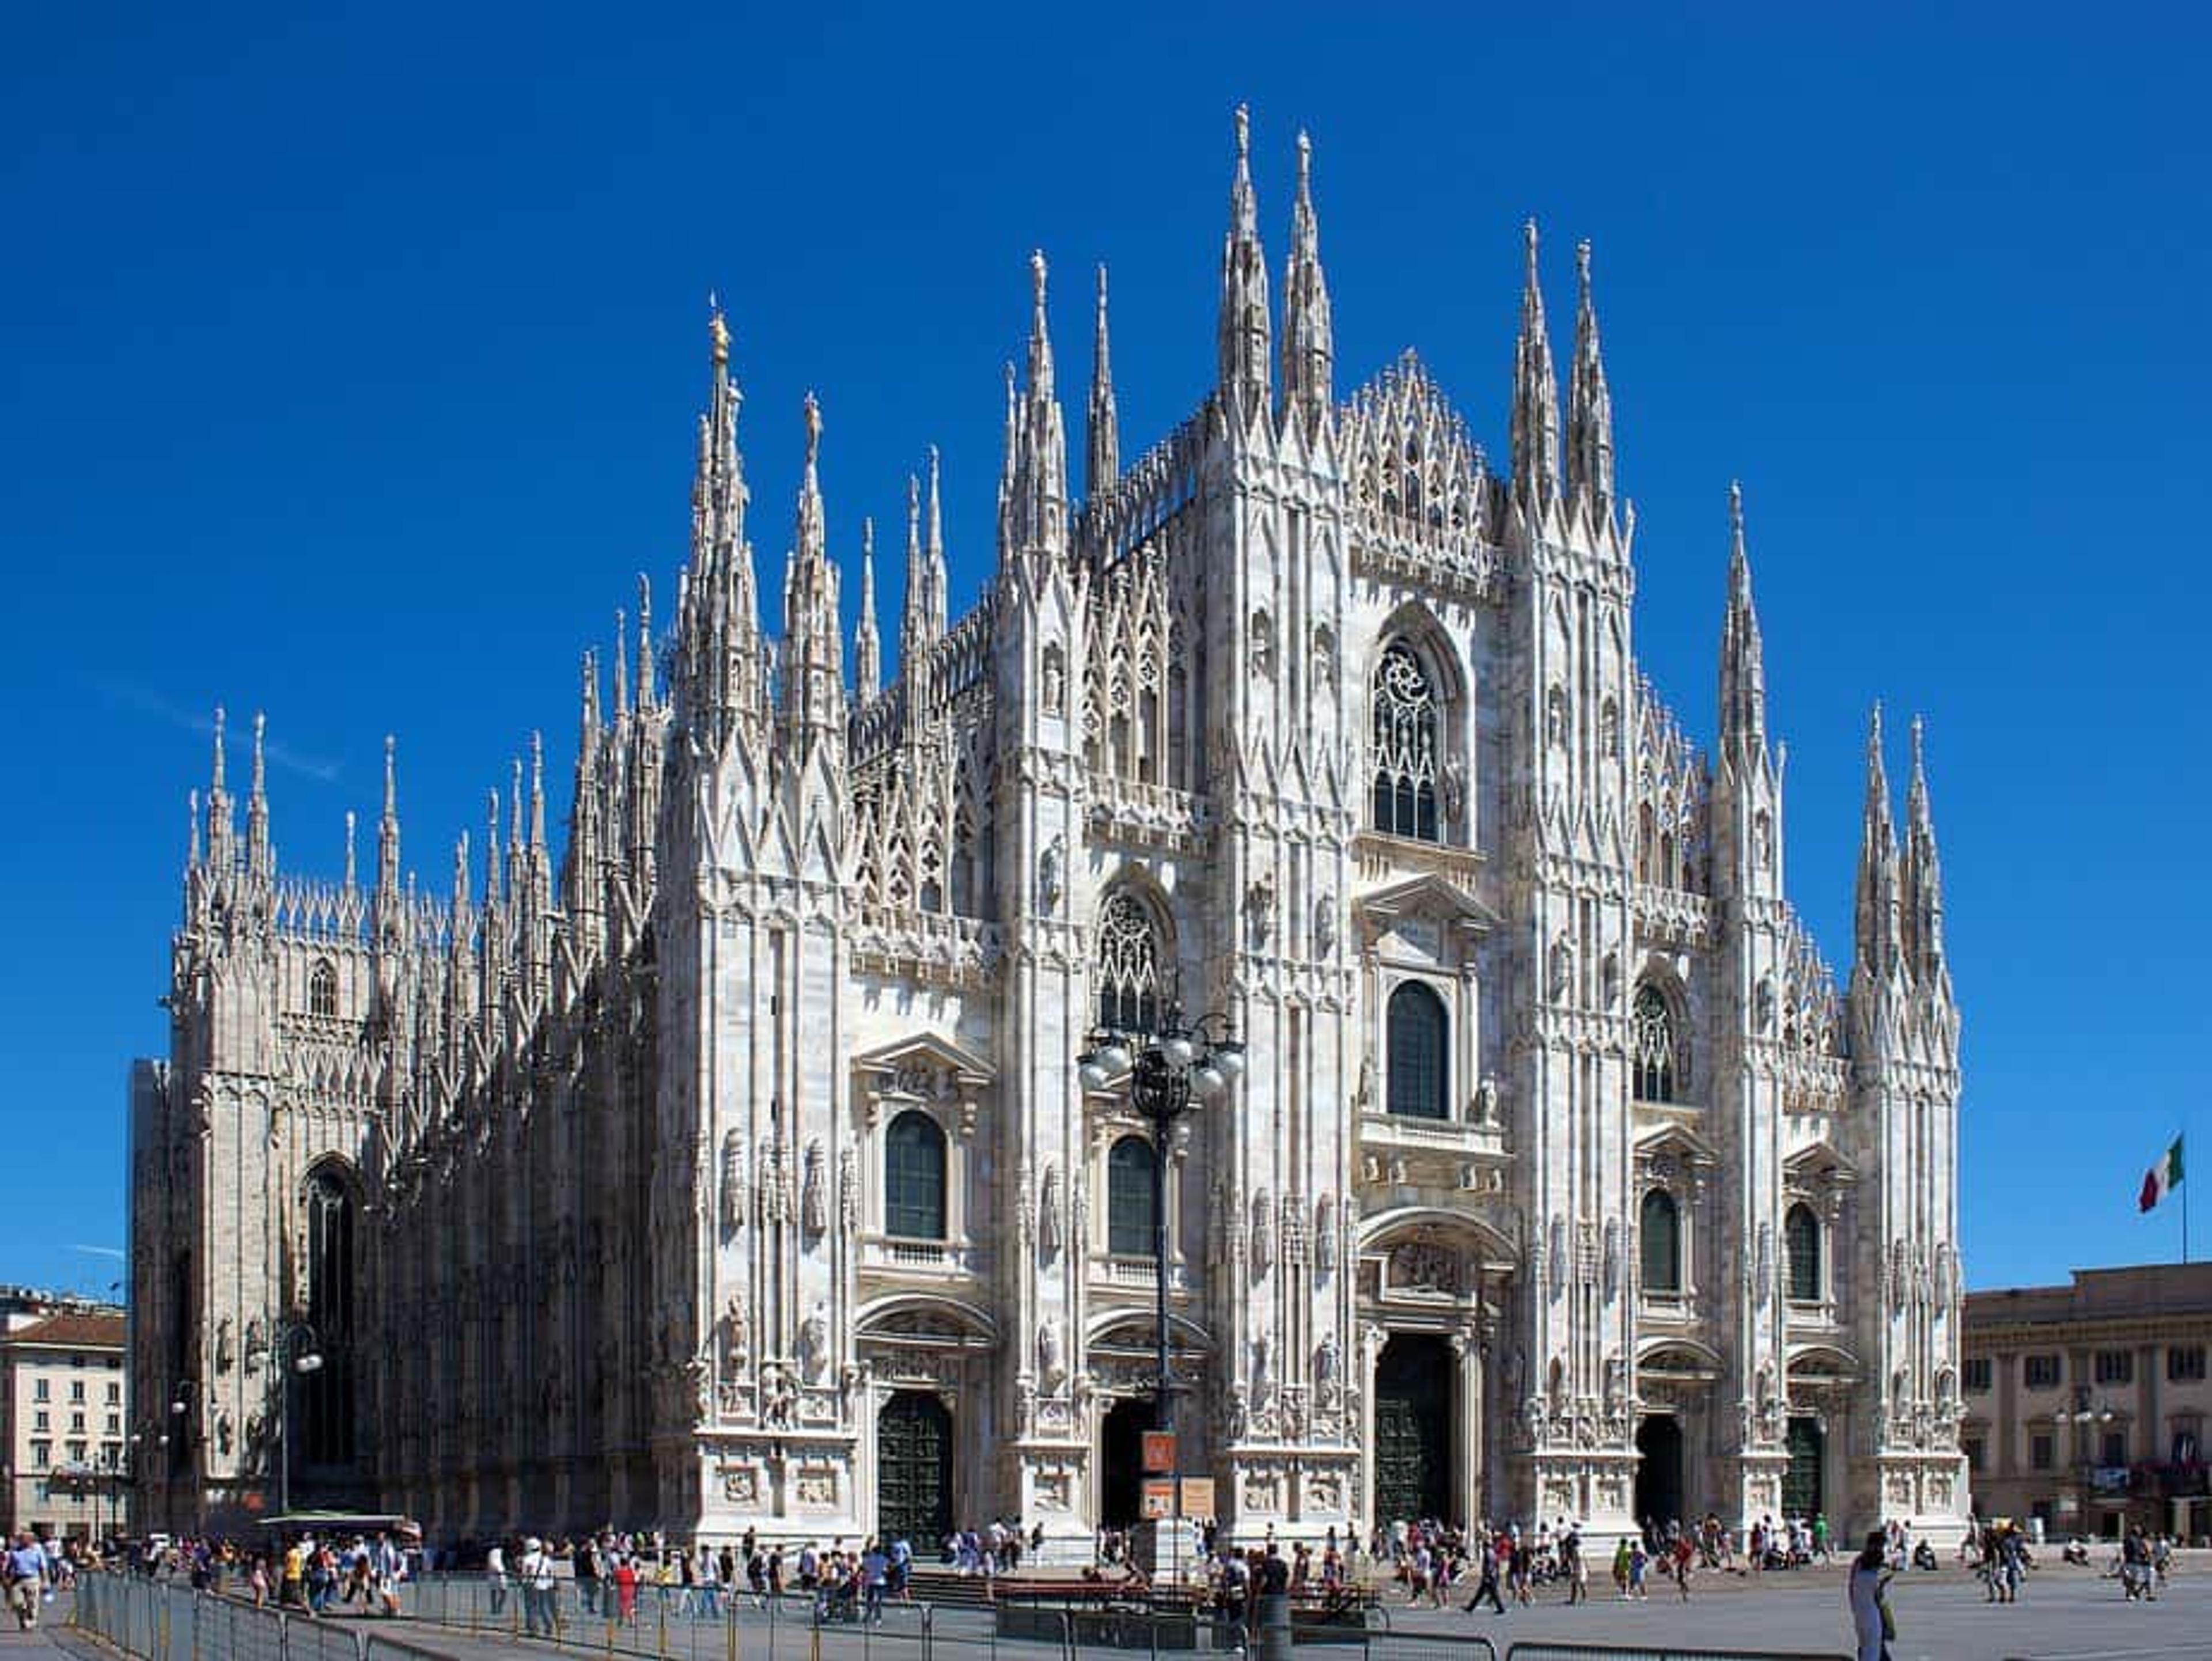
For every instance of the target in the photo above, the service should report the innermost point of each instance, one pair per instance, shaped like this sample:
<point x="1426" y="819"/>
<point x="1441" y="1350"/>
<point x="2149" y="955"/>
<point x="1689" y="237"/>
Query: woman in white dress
<point x="1870" y="1618"/>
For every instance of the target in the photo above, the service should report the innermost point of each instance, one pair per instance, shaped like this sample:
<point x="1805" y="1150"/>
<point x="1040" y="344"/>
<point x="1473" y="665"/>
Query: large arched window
<point x="1656" y="1052"/>
<point x="1128" y="965"/>
<point x="913" y="1177"/>
<point x="1129" y="1198"/>
<point x="1801" y="1238"/>
<point x="1419" y="1076"/>
<point x="1406" y="717"/>
<point x="1660" y="1234"/>
<point x="325" y="1403"/>
<point x="323" y="989"/>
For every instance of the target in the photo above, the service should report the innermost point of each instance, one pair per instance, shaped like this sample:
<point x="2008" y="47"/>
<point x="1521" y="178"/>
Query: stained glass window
<point x="1405" y="713"/>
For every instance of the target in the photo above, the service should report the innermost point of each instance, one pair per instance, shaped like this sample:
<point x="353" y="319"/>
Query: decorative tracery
<point x="1406" y="717"/>
<point x="1128" y="965"/>
<point x="1661" y="1067"/>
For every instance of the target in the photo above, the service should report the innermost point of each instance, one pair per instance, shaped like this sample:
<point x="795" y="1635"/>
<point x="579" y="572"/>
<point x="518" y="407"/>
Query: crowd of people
<point x="623" y="1578"/>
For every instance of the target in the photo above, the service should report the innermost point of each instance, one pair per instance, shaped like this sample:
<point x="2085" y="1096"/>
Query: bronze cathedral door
<point x="914" y="1470"/>
<point x="1413" y="1430"/>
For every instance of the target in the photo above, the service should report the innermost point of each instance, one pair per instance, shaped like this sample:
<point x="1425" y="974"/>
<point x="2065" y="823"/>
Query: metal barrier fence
<point x="160" y="1622"/>
<point x="1536" y="1652"/>
<point x="156" y="1621"/>
<point x="679" y="1623"/>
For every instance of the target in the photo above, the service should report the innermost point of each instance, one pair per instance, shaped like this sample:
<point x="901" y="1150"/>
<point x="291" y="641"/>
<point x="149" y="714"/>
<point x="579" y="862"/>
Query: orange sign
<point x="1159" y="1452"/>
<point x="1159" y="1498"/>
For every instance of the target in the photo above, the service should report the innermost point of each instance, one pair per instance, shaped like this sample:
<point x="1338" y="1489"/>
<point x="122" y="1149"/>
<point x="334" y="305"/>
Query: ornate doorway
<point x="914" y="1470"/>
<point x="1803" y="1487"/>
<point x="1121" y="1462"/>
<point x="1659" y="1473"/>
<point x="1413" y="1429"/>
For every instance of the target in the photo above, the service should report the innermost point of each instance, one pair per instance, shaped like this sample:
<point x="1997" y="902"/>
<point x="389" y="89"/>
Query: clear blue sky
<point x="349" y="369"/>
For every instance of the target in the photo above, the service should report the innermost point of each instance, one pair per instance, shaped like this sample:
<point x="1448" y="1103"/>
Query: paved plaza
<point x="2063" y="1615"/>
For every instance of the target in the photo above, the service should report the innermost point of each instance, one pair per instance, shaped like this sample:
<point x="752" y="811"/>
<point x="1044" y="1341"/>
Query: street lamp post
<point x="2086" y="1414"/>
<point x="1168" y="1068"/>
<point x="298" y="1350"/>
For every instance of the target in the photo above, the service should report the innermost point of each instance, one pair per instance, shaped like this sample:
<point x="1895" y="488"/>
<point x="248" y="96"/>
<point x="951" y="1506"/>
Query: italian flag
<point x="2161" y="1179"/>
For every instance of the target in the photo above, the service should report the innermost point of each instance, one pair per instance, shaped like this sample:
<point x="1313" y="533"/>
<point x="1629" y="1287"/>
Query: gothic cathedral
<point x="733" y="1170"/>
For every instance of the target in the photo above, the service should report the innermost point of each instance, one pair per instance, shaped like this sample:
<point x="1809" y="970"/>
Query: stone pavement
<point x="2063" y="1615"/>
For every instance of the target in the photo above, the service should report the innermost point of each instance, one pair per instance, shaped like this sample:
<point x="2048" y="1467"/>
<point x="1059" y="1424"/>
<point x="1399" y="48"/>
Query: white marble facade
<point x="734" y="1170"/>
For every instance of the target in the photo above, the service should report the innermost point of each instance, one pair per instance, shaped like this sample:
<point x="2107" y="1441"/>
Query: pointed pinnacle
<point x="390" y="777"/>
<point x="217" y="787"/>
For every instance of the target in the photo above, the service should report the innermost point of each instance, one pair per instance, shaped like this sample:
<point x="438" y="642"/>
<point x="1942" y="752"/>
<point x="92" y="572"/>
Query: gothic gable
<point x="1423" y="914"/>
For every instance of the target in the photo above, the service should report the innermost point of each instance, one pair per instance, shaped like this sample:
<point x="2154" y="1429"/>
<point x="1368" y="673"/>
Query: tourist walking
<point x="1866" y="1594"/>
<point x="1488" y="1588"/>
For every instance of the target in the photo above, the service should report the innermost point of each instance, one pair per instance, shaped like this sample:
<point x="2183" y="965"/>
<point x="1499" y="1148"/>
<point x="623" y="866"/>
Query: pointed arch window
<point x="1418" y="1075"/>
<point x="1660" y="1234"/>
<point x="325" y="1404"/>
<point x="913" y="1177"/>
<point x="1131" y="1205"/>
<point x="1801" y="1238"/>
<point x="1659" y="1067"/>
<point x="1128" y="965"/>
<point x="323" y="990"/>
<point x="1406" y="717"/>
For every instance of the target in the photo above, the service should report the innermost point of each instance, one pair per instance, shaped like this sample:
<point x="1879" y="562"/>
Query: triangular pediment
<point x="1429" y="897"/>
<point x="1677" y="1139"/>
<point x="925" y="1052"/>
<point x="1817" y="1160"/>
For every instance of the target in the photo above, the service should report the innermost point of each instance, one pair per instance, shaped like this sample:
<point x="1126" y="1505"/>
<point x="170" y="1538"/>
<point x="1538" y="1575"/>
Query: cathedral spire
<point x="910" y="606"/>
<point x="1102" y="463"/>
<point x="348" y="851"/>
<point x="867" y="645"/>
<point x="814" y="677"/>
<point x="1039" y="511"/>
<point x="491" y="849"/>
<point x="192" y="841"/>
<point x="260" y="859"/>
<point x="1743" y="660"/>
<point x="1309" y="339"/>
<point x="220" y="825"/>
<point x="387" y="841"/>
<point x="580" y="874"/>
<point x="621" y="666"/>
<point x="1922" y="903"/>
<point x="1536" y="433"/>
<point x="461" y="897"/>
<point x="1241" y="331"/>
<point x="1875" y="919"/>
<point x="1589" y="404"/>
<point x="537" y="796"/>
<point x="645" y="692"/>
<point x="921" y="618"/>
<point x="718" y="650"/>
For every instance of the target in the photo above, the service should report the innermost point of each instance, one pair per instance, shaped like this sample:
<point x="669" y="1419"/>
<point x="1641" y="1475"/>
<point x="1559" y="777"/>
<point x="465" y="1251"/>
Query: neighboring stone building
<point x="730" y="1167"/>
<point x="2086" y="1404"/>
<point x="64" y="1414"/>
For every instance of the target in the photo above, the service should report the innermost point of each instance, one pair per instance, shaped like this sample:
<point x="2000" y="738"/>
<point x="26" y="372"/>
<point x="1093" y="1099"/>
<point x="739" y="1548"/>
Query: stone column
<point x="1467" y="1350"/>
<point x="1372" y="1340"/>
